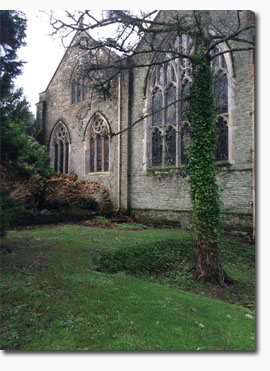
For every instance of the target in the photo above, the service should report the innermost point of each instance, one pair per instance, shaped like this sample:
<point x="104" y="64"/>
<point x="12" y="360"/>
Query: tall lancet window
<point x="97" y="145"/>
<point x="59" y="148"/>
<point x="169" y="84"/>
<point x="222" y="105"/>
<point x="168" y="130"/>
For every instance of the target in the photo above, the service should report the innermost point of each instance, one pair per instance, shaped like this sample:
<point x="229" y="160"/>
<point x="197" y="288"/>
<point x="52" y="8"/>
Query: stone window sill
<point x="99" y="173"/>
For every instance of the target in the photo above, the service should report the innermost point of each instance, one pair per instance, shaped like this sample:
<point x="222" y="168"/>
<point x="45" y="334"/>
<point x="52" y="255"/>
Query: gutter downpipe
<point x="129" y="143"/>
<point x="119" y="142"/>
<point x="253" y="143"/>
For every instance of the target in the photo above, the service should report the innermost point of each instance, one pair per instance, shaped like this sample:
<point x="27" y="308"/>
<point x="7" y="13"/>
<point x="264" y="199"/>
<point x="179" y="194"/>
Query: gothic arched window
<point x="98" y="145"/>
<point x="78" y="90"/>
<point x="167" y="86"/>
<point x="168" y="91"/>
<point x="222" y="105"/>
<point x="59" y="148"/>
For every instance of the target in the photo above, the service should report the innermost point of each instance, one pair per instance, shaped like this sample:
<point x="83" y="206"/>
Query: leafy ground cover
<point x="56" y="297"/>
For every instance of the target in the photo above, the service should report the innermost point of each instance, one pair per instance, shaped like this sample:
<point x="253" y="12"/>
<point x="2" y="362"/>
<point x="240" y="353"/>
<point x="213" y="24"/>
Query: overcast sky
<point x="42" y="54"/>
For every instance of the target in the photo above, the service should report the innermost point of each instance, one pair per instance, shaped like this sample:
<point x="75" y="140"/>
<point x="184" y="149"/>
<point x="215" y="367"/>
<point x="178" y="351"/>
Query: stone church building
<point x="143" y="167"/>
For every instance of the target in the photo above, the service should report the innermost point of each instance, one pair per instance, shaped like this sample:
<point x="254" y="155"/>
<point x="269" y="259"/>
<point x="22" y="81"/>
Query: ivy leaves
<point x="202" y="155"/>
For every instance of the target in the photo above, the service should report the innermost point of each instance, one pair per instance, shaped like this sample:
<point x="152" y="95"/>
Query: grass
<point x="53" y="299"/>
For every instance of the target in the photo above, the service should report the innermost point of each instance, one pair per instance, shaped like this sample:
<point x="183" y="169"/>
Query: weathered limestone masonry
<point x="153" y="193"/>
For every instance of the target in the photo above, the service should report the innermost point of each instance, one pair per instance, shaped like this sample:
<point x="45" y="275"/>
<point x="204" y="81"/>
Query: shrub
<point x="88" y="203"/>
<point x="59" y="191"/>
<point x="7" y="209"/>
<point x="68" y="187"/>
<point x="57" y="204"/>
<point x="153" y="258"/>
<point x="101" y="220"/>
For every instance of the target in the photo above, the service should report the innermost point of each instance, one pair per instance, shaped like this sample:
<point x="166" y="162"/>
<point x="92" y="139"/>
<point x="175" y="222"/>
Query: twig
<point x="23" y="272"/>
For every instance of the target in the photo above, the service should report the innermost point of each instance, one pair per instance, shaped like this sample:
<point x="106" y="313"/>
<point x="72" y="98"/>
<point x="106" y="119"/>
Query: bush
<point x="61" y="190"/>
<point x="7" y="209"/>
<point x="101" y="220"/>
<point x="153" y="258"/>
<point x="57" y="205"/>
<point x="88" y="203"/>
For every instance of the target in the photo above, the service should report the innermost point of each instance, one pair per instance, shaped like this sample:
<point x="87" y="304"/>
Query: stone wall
<point x="154" y="194"/>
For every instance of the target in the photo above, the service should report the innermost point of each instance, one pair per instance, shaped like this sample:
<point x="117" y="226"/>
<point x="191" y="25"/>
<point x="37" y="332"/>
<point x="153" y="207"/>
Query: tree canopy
<point x="21" y="155"/>
<point x="13" y="28"/>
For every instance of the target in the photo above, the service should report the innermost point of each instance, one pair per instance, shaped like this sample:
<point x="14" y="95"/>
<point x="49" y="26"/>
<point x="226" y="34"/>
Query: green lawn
<point x="53" y="299"/>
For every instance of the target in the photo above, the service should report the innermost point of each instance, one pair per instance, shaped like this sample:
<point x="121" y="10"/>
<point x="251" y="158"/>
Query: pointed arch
<point x="224" y="93"/>
<point x="60" y="147"/>
<point x="170" y="81"/>
<point x="97" y="144"/>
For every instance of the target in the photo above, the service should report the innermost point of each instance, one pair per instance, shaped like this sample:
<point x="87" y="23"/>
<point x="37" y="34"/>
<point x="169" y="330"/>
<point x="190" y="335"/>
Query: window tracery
<point x="222" y="105"/>
<point x="59" y="148"/>
<point x="169" y="84"/>
<point x="169" y="87"/>
<point x="99" y="145"/>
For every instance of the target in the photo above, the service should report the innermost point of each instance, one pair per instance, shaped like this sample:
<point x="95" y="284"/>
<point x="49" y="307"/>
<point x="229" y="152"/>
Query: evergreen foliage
<point x="7" y="207"/>
<point x="13" y="27"/>
<point x="21" y="155"/>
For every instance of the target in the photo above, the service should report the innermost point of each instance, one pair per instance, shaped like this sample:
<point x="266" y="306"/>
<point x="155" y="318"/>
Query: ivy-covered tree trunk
<point x="202" y="171"/>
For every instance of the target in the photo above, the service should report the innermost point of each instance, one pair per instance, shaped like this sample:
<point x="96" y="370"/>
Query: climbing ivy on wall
<point x="202" y="170"/>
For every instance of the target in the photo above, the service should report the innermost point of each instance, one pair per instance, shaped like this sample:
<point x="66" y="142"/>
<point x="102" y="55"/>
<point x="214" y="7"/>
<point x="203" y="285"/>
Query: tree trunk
<point x="208" y="267"/>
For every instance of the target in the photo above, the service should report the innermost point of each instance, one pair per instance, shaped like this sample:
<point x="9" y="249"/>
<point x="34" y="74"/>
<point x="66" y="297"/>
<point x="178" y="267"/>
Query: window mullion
<point x="163" y="128"/>
<point x="102" y="154"/>
<point x="177" y="128"/>
<point x="95" y="156"/>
